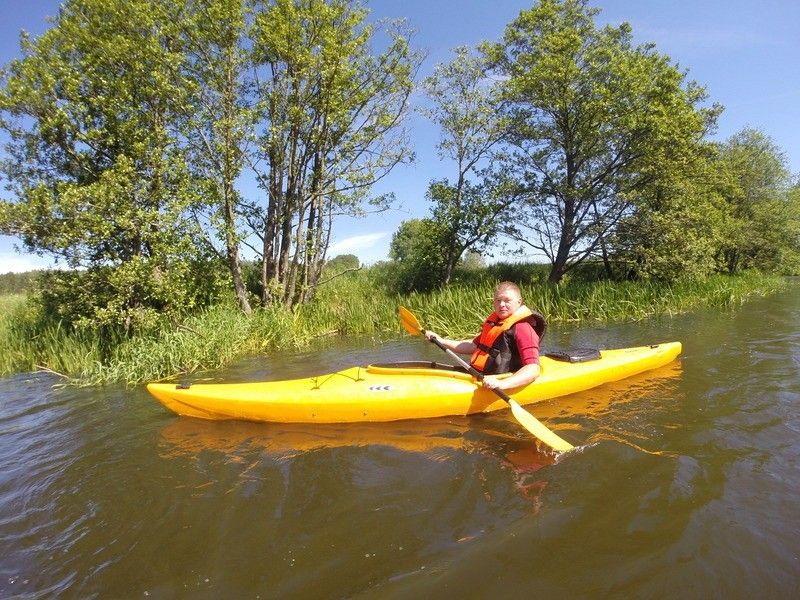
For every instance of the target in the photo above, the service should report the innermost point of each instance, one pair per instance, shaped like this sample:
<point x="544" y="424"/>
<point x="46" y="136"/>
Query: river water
<point x="685" y="483"/>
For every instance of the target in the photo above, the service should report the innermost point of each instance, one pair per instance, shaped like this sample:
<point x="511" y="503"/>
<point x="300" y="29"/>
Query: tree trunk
<point x="229" y="192"/>
<point x="560" y="266"/>
<point x="232" y="250"/>
<point x="606" y="262"/>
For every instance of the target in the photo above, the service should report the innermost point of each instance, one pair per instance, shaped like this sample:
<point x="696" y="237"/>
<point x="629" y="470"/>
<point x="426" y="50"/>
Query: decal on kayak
<point x="380" y="388"/>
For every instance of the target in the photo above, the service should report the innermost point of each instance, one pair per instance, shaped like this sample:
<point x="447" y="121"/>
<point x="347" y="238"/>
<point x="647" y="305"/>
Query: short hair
<point x="505" y="286"/>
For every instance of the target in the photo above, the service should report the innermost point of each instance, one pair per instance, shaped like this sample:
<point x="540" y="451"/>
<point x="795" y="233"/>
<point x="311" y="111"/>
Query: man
<point x="508" y="341"/>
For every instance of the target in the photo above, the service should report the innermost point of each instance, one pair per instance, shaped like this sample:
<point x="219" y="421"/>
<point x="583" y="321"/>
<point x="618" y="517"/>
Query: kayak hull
<point x="390" y="393"/>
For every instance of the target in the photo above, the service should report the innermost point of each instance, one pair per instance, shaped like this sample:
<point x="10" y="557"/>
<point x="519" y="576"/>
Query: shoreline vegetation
<point x="187" y="168"/>
<point x="353" y="304"/>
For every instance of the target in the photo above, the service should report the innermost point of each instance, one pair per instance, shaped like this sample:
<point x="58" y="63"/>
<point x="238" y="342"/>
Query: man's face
<point x="506" y="302"/>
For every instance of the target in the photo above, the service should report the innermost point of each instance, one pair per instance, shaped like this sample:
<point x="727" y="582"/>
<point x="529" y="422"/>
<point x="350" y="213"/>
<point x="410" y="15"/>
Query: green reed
<point x="356" y="303"/>
<point x="25" y="348"/>
<point x="455" y="311"/>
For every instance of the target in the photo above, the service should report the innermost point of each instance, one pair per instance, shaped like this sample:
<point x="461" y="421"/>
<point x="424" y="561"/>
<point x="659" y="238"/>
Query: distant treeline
<point x="16" y="283"/>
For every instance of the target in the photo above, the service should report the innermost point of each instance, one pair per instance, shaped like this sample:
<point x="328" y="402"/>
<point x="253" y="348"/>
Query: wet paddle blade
<point x="409" y="321"/>
<point x="537" y="429"/>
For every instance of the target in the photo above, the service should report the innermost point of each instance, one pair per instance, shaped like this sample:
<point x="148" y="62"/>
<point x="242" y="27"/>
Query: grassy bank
<point x="10" y="354"/>
<point x="355" y="304"/>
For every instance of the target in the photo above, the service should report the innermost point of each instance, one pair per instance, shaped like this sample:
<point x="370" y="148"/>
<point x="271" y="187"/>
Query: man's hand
<point x="491" y="382"/>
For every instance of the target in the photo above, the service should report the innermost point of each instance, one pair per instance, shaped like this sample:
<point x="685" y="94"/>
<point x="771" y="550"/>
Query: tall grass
<point x="23" y="347"/>
<point x="455" y="311"/>
<point x="10" y="354"/>
<point x="353" y="304"/>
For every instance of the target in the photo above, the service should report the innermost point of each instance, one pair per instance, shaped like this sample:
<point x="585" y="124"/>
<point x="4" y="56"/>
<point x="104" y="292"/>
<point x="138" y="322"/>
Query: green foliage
<point x="342" y="262"/>
<point x="99" y="179"/>
<point x="101" y="298"/>
<point x="761" y="208"/>
<point x="518" y="272"/>
<point x="418" y="252"/>
<point x="676" y="228"/>
<point x="597" y="121"/>
<point x="16" y="283"/>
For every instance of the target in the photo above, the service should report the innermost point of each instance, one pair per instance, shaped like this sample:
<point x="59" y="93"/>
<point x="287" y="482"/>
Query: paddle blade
<point x="409" y="321"/>
<point x="537" y="429"/>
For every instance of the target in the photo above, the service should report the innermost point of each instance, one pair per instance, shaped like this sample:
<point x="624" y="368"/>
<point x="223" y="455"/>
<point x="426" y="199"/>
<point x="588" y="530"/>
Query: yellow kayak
<point x="405" y="390"/>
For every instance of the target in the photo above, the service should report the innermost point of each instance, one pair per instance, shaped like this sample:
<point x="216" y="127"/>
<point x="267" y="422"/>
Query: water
<point x="685" y="484"/>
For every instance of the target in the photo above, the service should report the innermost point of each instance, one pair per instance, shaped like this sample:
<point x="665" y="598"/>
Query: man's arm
<point x="459" y="346"/>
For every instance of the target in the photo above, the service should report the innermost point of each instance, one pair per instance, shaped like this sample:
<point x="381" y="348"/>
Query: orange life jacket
<point x="492" y="346"/>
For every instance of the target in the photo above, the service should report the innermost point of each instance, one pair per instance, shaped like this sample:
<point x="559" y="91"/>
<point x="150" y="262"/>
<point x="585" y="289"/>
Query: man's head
<point x="507" y="299"/>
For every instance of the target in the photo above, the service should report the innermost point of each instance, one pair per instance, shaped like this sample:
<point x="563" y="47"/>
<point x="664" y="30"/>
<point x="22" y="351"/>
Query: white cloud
<point x="356" y="242"/>
<point x="21" y="263"/>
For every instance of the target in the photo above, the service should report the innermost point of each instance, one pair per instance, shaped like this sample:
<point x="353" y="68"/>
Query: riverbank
<point x="353" y="304"/>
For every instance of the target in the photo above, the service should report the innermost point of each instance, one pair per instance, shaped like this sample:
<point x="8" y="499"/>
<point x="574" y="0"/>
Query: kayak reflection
<point x="494" y="437"/>
<point x="186" y="435"/>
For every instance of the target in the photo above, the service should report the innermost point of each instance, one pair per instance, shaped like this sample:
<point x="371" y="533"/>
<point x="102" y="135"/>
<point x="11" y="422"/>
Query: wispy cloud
<point x="21" y="263"/>
<point x="356" y="242"/>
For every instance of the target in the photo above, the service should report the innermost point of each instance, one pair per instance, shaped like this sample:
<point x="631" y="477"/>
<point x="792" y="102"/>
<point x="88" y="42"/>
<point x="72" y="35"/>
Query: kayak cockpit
<point x="419" y="367"/>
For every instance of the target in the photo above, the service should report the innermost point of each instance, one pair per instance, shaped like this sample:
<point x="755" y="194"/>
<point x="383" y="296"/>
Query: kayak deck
<point x="399" y="391"/>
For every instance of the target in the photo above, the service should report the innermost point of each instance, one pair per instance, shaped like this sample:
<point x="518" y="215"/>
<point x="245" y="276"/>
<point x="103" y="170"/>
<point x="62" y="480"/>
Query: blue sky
<point x="746" y="53"/>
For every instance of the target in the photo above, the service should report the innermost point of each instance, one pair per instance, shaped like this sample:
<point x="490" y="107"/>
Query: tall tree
<point x="464" y="104"/>
<point x="220" y="119"/>
<point x="762" y="214"/>
<point x="594" y="117"/>
<point x="92" y="160"/>
<point x="332" y="126"/>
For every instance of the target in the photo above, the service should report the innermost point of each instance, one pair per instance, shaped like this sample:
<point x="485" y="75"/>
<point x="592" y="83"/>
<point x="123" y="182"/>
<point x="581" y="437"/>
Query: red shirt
<point x="527" y="343"/>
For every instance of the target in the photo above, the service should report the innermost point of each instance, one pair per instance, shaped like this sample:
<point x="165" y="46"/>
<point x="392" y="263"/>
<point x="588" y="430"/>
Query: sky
<point x="746" y="54"/>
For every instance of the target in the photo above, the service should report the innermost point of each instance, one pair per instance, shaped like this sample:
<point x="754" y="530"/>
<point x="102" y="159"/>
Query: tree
<point x="465" y="107"/>
<point x="343" y="262"/>
<point x="676" y="227"/>
<point x="418" y="253"/>
<point x="332" y="126"/>
<point x="219" y="120"/>
<point x="761" y="228"/>
<point x="99" y="179"/>
<point x="595" y="121"/>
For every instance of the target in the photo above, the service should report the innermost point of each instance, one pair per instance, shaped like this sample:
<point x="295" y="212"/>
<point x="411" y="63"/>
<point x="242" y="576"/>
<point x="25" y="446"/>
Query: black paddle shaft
<point x="472" y="370"/>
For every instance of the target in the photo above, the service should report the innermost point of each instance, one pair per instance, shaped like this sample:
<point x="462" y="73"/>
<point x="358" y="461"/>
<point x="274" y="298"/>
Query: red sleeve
<point x="527" y="343"/>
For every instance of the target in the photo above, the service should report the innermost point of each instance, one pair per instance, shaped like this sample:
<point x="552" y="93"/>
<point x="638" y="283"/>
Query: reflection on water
<point x="437" y="440"/>
<point x="685" y="482"/>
